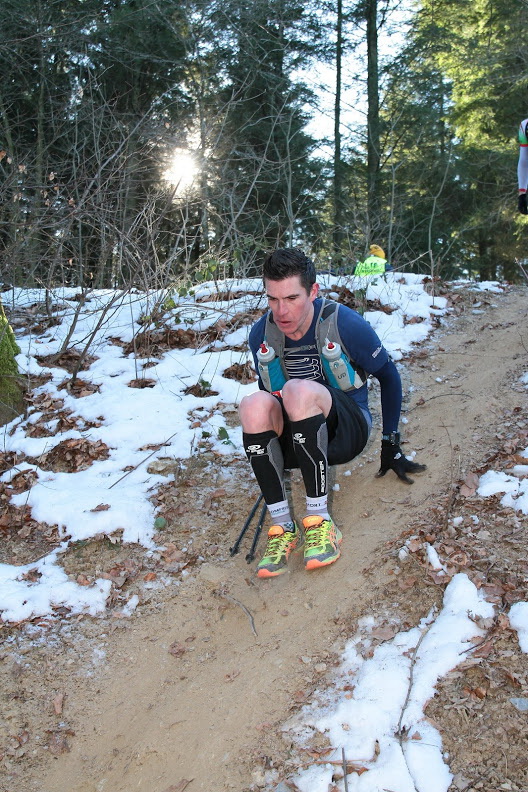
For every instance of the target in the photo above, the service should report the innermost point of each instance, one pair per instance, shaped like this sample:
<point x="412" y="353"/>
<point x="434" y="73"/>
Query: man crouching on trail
<point x="313" y="357"/>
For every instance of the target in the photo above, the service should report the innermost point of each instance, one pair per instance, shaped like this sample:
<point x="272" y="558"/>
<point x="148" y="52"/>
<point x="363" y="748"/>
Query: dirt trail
<point x="197" y="682"/>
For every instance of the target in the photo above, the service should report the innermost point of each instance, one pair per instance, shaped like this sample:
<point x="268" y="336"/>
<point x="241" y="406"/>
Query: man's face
<point x="291" y="305"/>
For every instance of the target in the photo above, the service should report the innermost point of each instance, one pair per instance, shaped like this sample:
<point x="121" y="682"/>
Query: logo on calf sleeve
<point x="256" y="449"/>
<point x="323" y="476"/>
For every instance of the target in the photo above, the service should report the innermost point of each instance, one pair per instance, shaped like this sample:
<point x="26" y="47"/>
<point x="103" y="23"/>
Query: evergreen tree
<point x="89" y="91"/>
<point x="456" y="152"/>
<point x="270" y="181"/>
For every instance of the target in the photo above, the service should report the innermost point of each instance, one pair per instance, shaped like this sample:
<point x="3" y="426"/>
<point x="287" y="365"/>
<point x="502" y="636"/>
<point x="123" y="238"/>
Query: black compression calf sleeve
<point x="310" y="441"/>
<point x="265" y="456"/>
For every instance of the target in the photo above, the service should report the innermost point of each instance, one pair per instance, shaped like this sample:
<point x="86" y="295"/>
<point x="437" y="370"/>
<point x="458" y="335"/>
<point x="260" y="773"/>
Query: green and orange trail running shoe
<point x="281" y="542"/>
<point x="321" y="542"/>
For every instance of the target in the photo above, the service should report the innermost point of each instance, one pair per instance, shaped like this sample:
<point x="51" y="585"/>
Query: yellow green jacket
<point x="373" y="265"/>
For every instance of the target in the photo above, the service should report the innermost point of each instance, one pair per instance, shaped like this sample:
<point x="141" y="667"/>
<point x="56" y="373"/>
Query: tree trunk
<point x="373" y="117"/>
<point x="338" y="229"/>
<point x="11" y="403"/>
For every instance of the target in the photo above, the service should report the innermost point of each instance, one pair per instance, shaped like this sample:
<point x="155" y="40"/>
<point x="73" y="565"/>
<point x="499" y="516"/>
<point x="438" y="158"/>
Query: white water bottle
<point x="270" y="369"/>
<point x="265" y="354"/>
<point x="332" y="350"/>
<point x="338" y="370"/>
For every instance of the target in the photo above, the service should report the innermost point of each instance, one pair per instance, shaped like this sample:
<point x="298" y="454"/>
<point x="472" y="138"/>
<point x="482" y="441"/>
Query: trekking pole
<point x="251" y="555"/>
<point x="233" y="550"/>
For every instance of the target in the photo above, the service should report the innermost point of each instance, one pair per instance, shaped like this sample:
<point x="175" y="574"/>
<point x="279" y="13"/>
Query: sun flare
<point x="182" y="170"/>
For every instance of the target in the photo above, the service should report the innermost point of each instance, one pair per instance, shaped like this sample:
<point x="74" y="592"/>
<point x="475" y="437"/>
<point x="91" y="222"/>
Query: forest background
<point x="157" y="143"/>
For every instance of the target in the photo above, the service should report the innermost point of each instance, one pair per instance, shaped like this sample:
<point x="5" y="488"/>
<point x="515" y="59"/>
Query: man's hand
<point x="523" y="206"/>
<point x="393" y="458"/>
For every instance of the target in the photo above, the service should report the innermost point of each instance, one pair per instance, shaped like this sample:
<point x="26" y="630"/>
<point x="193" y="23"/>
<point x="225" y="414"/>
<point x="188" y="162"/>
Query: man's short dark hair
<point x="285" y="262"/>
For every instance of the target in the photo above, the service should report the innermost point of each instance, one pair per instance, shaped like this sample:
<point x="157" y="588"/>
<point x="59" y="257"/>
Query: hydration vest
<point x="325" y="330"/>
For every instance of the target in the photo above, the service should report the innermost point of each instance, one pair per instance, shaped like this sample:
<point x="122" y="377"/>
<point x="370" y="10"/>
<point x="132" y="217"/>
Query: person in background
<point x="365" y="271"/>
<point x="374" y="264"/>
<point x="522" y="166"/>
<point x="298" y="419"/>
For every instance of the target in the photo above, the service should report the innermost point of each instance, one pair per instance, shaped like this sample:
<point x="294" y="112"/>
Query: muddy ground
<point x="191" y="688"/>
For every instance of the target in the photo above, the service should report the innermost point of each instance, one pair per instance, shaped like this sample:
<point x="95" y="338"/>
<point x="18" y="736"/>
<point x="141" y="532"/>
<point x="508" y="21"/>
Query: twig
<point x="439" y="396"/>
<point x="486" y="639"/>
<point x="514" y="532"/>
<point x="142" y="461"/>
<point x="399" y="733"/>
<point x="452" y="487"/>
<point x="345" y="779"/>
<point x="248" y="613"/>
<point x="522" y="269"/>
<point x="339" y="762"/>
<point x="451" y="502"/>
<point x="99" y="324"/>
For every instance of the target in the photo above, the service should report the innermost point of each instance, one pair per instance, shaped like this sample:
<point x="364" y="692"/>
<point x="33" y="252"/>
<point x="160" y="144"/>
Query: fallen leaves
<point x="142" y="383"/>
<point x="180" y="786"/>
<point x="173" y="556"/>
<point x="58" y="703"/>
<point x="80" y="388"/>
<point x="73" y="455"/>
<point x="16" y="523"/>
<point x="153" y="342"/>
<point x="31" y="576"/>
<point x="513" y="678"/>
<point x="123" y="571"/>
<point x="470" y="485"/>
<point x="70" y="359"/>
<point x="405" y="583"/>
<point x="201" y="390"/>
<point x="177" y="649"/>
<point x="23" y="481"/>
<point x="232" y="675"/>
<point x="241" y="372"/>
<point x="57" y="743"/>
<point x="216" y="494"/>
<point x="8" y="460"/>
<point x="413" y="545"/>
<point x="478" y="692"/>
<point x="385" y="632"/>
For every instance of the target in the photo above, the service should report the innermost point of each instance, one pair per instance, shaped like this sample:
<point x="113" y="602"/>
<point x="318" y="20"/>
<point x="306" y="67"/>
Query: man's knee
<point x="304" y="398"/>
<point x="259" y="412"/>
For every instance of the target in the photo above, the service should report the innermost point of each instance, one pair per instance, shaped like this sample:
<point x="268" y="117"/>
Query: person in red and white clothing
<point x="522" y="167"/>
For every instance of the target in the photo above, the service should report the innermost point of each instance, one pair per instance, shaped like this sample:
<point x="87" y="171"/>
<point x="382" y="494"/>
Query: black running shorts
<point x="347" y="431"/>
